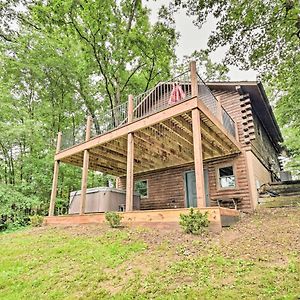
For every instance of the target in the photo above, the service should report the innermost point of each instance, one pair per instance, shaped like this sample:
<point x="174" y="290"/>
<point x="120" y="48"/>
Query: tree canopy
<point x="62" y="60"/>
<point x="264" y="36"/>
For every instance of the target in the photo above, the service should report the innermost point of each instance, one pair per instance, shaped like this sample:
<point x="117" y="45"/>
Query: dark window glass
<point x="141" y="187"/>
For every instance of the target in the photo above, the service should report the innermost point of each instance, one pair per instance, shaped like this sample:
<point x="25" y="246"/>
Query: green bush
<point x="36" y="220"/>
<point x="15" y="207"/>
<point x="195" y="222"/>
<point x="113" y="219"/>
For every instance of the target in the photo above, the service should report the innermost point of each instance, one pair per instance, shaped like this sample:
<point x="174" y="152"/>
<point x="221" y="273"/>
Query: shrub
<point x="36" y="220"/>
<point x="195" y="222"/>
<point x="113" y="219"/>
<point x="15" y="207"/>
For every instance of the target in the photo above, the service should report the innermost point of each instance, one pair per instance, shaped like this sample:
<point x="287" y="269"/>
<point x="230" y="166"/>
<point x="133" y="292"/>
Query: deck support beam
<point x="198" y="158"/>
<point x="129" y="175"/>
<point x="85" y="168"/>
<point x="55" y="178"/>
<point x="130" y="159"/>
<point x="251" y="179"/>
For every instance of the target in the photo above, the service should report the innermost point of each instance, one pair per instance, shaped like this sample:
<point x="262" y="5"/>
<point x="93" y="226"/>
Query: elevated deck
<point x="175" y="123"/>
<point x="167" y="218"/>
<point x="162" y="140"/>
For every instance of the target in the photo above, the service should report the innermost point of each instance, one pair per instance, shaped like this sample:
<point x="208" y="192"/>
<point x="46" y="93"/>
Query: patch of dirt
<point x="269" y="235"/>
<point x="268" y="229"/>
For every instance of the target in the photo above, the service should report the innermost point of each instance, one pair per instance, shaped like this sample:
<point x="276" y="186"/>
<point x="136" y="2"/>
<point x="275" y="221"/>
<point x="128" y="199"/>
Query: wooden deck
<point x="162" y="140"/>
<point x="167" y="219"/>
<point x="181" y="133"/>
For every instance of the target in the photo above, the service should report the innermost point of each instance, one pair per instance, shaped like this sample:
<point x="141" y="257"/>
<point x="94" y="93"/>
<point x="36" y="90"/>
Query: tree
<point x="207" y="69"/>
<point x="265" y="36"/>
<point x="61" y="61"/>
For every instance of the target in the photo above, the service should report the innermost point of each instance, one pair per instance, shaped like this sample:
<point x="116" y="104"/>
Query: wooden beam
<point x="165" y="114"/>
<point x="129" y="174"/>
<point x="102" y="158"/>
<point x="213" y="143"/>
<point x="130" y="159"/>
<point x="221" y="129"/>
<point x="251" y="179"/>
<point x="194" y="79"/>
<point x="55" y="177"/>
<point x="185" y="122"/>
<point x="88" y="128"/>
<point x="54" y="188"/>
<point x="179" y="132"/>
<point x="166" y="144"/>
<point x="85" y="168"/>
<point x="211" y="139"/>
<point x="130" y="109"/>
<point x="121" y="147"/>
<point x="198" y="159"/>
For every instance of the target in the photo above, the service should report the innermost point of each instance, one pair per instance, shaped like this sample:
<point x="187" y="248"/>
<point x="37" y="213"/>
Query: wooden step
<point x="281" y="201"/>
<point x="282" y="188"/>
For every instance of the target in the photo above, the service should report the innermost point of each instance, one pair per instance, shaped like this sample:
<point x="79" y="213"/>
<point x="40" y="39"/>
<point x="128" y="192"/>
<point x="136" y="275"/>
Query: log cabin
<point x="184" y="143"/>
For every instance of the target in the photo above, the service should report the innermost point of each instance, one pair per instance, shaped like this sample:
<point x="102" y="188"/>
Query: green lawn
<point x="257" y="259"/>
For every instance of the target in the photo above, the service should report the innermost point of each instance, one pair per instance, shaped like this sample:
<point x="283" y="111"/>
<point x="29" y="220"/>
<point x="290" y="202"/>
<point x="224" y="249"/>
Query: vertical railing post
<point x="85" y="168"/>
<point x="198" y="158"/>
<point x="194" y="79"/>
<point x="130" y="109"/>
<point x="55" y="177"/>
<point x="130" y="159"/>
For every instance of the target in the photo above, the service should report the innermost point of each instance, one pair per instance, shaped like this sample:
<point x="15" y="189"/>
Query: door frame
<point x="205" y="168"/>
<point x="185" y="186"/>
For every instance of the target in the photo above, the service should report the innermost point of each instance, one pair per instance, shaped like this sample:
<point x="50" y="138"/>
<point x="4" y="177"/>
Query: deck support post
<point x="85" y="168"/>
<point x="55" y="177"/>
<point x="251" y="179"/>
<point x="130" y="159"/>
<point x="198" y="158"/>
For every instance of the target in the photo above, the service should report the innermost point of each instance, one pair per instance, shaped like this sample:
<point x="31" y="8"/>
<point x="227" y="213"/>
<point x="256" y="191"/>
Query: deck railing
<point x="73" y="136"/>
<point x="108" y="119"/>
<point x="163" y="95"/>
<point x="205" y="95"/>
<point x="228" y="122"/>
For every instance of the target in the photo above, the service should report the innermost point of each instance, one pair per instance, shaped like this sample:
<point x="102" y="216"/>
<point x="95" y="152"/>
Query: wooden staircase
<point x="280" y="194"/>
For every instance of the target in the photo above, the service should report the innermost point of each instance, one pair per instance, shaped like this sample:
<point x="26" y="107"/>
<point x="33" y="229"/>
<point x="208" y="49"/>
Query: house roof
<point x="260" y="104"/>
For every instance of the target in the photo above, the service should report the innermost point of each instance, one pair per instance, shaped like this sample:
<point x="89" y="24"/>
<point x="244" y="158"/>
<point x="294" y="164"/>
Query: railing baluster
<point x="152" y="101"/>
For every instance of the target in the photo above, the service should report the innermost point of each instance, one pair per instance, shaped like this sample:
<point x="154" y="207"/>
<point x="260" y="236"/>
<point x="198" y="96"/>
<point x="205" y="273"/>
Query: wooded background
<point x="62" y="60"/>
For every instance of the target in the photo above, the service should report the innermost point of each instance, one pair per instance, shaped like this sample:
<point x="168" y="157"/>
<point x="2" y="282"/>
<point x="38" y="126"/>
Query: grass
<point x="257" y="259"/>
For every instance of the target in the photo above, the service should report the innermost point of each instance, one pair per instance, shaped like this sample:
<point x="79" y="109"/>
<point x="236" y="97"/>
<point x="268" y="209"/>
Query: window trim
<point x="147" y="184"/>
<point x="217" y="174"/>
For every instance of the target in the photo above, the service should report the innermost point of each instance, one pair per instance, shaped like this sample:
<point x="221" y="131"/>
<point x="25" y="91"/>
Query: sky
<point x="193" y="38"/>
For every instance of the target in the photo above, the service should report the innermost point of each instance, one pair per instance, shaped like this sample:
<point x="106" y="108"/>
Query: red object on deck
<point x="177" y="94"/>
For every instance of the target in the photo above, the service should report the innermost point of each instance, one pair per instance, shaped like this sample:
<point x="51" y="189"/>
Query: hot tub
<point x="102" y="199"/>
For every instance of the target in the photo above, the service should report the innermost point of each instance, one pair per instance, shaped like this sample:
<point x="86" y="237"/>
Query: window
<point x="141" y="187"/>
<point x="226" y="177"/>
